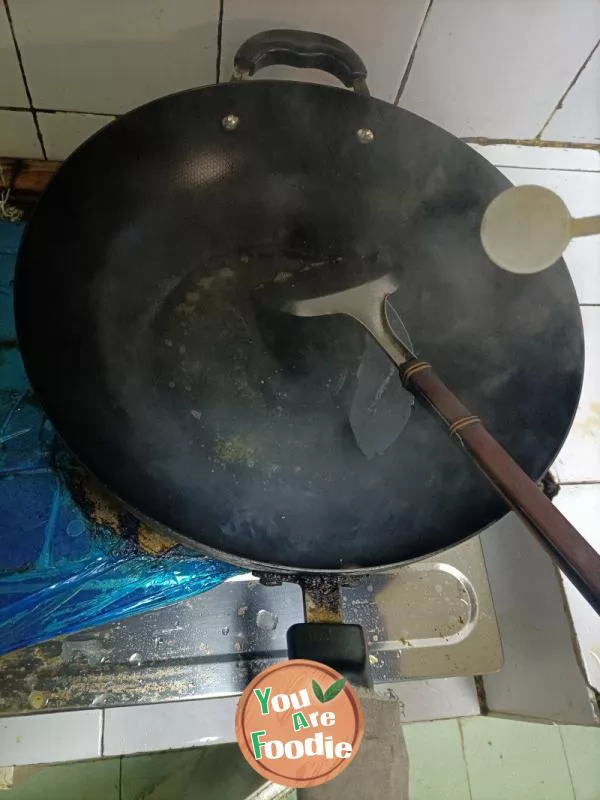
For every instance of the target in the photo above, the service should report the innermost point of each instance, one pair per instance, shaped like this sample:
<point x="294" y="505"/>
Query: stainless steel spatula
<point x="368" y="305"/>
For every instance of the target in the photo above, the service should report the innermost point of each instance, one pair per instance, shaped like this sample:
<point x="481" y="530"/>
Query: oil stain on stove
<point x="104" y="511"/>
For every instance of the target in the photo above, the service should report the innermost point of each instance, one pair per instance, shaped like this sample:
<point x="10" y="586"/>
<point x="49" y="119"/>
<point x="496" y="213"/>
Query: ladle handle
<point x="571" y="552"/>
<point x="585" y="226"/>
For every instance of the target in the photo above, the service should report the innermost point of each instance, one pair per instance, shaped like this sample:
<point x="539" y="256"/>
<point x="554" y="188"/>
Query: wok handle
<point x="576" y="558"/>
<point x="301" y="49"/>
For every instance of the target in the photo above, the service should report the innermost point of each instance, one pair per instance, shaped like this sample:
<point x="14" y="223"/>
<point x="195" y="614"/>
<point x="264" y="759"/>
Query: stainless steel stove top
<point x="434" y="618"/>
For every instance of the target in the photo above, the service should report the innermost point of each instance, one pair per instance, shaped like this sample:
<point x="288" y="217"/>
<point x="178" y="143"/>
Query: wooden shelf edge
<point x="26" y="178"/>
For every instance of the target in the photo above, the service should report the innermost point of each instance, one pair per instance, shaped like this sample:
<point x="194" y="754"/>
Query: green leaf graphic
<point x="334" y="690"/>
<point x="318" y="692"/>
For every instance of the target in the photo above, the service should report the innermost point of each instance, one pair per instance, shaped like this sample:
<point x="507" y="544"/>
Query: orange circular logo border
<point x="243" y="735"/>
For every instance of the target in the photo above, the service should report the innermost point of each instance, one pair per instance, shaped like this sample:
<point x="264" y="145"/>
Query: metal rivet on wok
<point x="230" y="122"/>
<point x="365" y="135"/>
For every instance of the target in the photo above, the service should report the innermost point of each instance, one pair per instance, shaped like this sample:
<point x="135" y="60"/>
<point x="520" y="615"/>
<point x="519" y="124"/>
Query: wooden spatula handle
<point x="576" y="558"/>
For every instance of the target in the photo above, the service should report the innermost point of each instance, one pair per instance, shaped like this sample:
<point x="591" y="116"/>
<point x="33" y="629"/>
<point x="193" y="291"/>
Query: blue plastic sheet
<point x="63" y="566"/>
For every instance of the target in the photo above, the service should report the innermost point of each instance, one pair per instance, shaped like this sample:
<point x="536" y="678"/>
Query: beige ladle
<point x="527" y="228"/>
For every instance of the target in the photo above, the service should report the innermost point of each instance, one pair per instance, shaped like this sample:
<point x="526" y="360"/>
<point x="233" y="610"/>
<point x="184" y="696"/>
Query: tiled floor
<point x="496" y="759"/>
<point x="471" y="759"/>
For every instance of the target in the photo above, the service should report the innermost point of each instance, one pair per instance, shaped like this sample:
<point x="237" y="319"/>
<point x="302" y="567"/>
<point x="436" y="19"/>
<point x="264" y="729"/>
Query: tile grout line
<point x="550" y="144"/>
<point x="579" y="483"/>
<point x="411" y="58"/>
<point x="559" y="105"/>
<point x="220" y="38"/>
<point x="546" y="169"/>
<point x="24" y="78"/>
<point x="564" y="749"/>
<point x="464" y="756"/>
<point x="38" y="110"/>
<point x="101" y="742"/>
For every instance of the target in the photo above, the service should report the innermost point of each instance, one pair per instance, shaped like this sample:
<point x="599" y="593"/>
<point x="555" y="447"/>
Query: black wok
<point x="227" y="425"/>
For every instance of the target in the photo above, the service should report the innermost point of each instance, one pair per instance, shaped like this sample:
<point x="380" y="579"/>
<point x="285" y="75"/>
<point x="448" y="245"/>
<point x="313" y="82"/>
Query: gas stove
<point x="430" y="619"/>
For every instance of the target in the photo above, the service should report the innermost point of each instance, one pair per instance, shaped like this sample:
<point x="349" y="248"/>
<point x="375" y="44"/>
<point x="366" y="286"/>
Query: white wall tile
<point x="46" y="738"/>
<point x="12" y="89"/>
<point x="579" y="459"/>
<point x="581" y="193"/>
<point x="581" y="506"/>
<point x="540" y="156"/>
<point x="193" y="723"/>
<point x="382" y="32"/>
<point x="62" y="133"/>
<point x="169" y="726"/>
<point x="497" y="68"/>
<point x="108" y="57"/>
<point x="18" y="136"/>
<point x="579" y="118"/>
